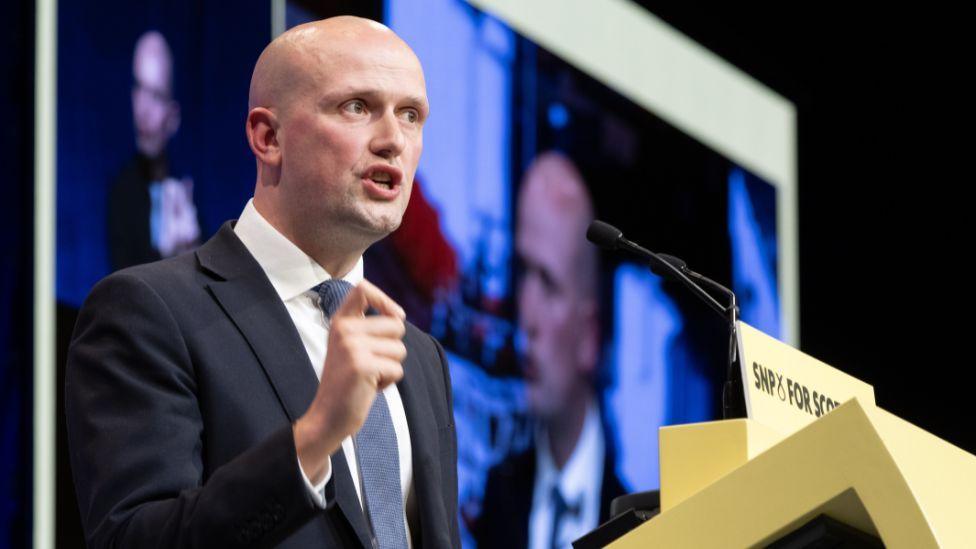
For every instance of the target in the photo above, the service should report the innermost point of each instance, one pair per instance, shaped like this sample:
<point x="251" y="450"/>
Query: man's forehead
<point x="545" y="230"/>
<point x="335" y="60"/>
<point x="548" y="229"/>
<point x="325" y="51"/>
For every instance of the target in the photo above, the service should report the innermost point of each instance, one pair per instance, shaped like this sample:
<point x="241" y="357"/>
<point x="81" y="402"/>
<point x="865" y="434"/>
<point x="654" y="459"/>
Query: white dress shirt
<point x="579" y="482"/>
<point x="293" y="274"/>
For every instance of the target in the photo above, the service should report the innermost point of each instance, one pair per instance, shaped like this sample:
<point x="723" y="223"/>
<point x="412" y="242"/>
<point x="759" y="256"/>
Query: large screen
<point x="565" y="360"/>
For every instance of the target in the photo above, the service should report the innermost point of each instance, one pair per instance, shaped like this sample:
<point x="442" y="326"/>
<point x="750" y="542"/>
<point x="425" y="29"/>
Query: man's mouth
<point x="383" y="179"/>
<point x="384" y="176"/>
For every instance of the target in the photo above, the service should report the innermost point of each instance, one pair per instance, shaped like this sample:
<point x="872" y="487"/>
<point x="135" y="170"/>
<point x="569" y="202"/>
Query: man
<point x="195" y="418"/>
<point x="561" y="488"/>
<point x="151" y="214"/>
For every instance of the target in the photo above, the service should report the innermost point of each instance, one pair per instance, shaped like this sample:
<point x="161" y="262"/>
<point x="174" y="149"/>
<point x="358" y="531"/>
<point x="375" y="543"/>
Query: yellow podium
<point x="744" y="483"/>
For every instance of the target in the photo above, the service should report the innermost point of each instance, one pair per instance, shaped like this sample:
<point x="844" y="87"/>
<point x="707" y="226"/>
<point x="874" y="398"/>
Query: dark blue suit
<point x="183" y="379"/>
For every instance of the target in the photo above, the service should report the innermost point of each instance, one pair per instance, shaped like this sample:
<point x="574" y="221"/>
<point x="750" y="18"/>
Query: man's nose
<point x="388" y="139"/>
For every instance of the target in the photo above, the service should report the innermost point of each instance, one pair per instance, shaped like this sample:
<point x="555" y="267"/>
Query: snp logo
<point x="799" y="395"/>
<point x="768" y="380"/>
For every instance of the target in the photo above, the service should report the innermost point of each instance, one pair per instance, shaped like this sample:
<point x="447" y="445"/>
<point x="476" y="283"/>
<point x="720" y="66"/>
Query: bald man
<point x="151" y="214"/>
<point x="561" y="488"/>
<point x="241" y="395"/>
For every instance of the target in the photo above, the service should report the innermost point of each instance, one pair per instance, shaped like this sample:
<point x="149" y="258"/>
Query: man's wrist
<point x="317" y="490"/>
<point x="313" y="446"/>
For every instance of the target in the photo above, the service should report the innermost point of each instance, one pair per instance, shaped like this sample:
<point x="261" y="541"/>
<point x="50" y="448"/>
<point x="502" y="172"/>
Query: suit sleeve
<point x="135" y="435"/>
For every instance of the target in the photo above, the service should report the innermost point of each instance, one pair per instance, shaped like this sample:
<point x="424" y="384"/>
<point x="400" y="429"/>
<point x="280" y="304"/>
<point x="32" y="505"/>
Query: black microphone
<point x="603" y="234"/>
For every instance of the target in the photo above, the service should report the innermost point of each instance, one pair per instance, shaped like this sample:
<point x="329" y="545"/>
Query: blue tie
<point x="560" y="509"/>
<point x="376" y="450"/>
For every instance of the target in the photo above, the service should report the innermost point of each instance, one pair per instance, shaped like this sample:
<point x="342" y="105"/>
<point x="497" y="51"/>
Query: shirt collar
<point x="291" y="271"/>
<point x="585" y="463"/>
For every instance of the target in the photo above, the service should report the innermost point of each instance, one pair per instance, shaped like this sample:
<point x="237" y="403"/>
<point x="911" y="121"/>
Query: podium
<point x="751" y="482"/>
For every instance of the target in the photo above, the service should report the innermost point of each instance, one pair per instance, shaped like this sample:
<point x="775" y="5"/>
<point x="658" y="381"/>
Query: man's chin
<point x="537" y="405"/>
<point x="379" y="225"/>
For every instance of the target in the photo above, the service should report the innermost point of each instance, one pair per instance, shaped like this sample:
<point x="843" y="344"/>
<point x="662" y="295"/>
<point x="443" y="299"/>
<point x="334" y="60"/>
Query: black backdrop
<point x="882" y="115"/>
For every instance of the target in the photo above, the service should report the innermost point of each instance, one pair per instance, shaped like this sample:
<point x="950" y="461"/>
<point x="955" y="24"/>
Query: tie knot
<point x="332" y="292"/>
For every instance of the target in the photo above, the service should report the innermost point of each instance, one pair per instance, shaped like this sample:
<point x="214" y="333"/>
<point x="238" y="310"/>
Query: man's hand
<point x="179" y="229"/>
<point x="365" y="355"/>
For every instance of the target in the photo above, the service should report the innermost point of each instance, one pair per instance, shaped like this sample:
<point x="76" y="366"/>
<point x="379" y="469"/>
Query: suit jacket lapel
<point x="425" y="444"/>
<point x="246" y="295"/>
<point x="346" y="498"/>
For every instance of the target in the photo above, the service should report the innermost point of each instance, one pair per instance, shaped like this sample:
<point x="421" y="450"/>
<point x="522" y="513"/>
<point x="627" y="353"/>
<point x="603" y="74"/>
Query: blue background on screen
<point x="214" y="51"/>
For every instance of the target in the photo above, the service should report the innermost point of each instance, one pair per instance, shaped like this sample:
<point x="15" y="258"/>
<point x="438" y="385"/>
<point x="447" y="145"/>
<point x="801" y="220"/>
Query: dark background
<point x="16" y="271"/>
<point x="882" y="173"/>
<point x="881" y="105"/>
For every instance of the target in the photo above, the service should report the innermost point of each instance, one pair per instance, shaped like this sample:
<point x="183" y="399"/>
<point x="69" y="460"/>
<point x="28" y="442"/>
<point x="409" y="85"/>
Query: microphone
<point x="604" y="235"/>
<point x="611" y="238"/>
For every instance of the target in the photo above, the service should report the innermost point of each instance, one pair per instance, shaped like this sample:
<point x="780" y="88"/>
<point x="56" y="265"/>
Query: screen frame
<point x="704" y="96"/>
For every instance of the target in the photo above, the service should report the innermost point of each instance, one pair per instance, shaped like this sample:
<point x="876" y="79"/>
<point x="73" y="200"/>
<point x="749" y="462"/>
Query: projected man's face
<point x="557" y="309"/>
<point x="155" y="114"/>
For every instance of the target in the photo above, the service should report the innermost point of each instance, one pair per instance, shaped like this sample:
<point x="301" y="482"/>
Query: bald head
<point x="152" y="60"/>
<point x="311" y="50"/>
<point x="155" y="114"/>
<point x="553" y="182"/>
<point x="555" y="204"/>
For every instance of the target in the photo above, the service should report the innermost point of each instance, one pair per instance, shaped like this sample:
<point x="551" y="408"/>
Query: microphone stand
<point x="733" y="404"/>
<point x="609" y="237"/>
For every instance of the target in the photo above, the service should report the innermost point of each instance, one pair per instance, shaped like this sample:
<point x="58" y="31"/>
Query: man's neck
<point x="563" y="431"/>
<point x="156" y="166"/>
<point x="337" y="260"/>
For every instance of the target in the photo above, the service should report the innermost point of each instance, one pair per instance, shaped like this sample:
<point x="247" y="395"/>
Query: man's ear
<point x="262" y="136"/>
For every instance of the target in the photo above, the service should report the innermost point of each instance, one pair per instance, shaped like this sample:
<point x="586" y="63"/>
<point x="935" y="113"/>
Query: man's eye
<point x="410" y="116"/>
<point x="355" y="107"/>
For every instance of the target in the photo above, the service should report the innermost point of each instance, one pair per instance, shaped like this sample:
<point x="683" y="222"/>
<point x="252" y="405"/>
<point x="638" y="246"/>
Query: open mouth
<point x="382" y="179"/>
<point x="384" y="176"/>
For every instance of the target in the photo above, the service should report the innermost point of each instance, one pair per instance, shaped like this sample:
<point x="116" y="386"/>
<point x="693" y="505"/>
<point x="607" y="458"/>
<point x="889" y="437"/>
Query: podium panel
<point x="858" y="464"/>
<point x="696" y="455"/>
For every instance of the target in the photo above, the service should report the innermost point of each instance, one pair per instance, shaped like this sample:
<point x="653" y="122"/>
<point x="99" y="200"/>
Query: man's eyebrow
<point x="418" y="101"/>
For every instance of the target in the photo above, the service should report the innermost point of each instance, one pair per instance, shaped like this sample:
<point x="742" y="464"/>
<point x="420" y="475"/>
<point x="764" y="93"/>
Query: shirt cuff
<point x="317" y="491"/>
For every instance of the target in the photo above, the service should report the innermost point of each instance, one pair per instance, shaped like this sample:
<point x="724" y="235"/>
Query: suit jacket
<point x="507" y="504"/>
<point x="184" y="377"/>
<point x="129" y="205"/>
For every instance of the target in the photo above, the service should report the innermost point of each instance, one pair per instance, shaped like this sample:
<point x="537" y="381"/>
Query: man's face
<point x="154" y="112"/>
<point x="351" y="136"/>
<point x="554" y="316"/>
